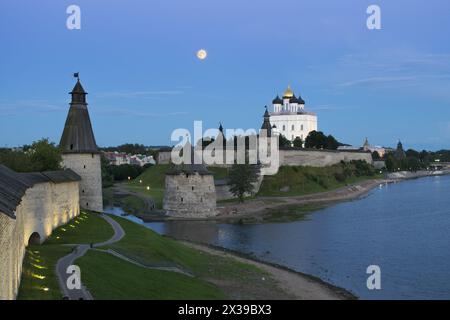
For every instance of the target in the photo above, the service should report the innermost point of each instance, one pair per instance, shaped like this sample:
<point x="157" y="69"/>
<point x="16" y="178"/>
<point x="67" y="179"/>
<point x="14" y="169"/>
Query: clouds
<point x="140" y="94"/>
<point x="22" y="107"/>
<point x="135" y="112"/>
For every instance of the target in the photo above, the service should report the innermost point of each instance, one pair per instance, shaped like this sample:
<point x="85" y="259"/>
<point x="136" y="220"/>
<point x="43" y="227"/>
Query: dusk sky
<point x="137" y="60"/>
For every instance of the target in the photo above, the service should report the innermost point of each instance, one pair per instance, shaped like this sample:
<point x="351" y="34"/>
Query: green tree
<point x="376" y="155"/>
<point x="316" y="140"/>
<point x="44" y="156"/>
<point x="298" y="142"/>
<point x="331" y="143"/>
<point x="241" y="178"/>
<point x="283" y="142"/>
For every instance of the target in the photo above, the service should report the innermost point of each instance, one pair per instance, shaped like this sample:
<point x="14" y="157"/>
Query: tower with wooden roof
<point x="80" y="152"/>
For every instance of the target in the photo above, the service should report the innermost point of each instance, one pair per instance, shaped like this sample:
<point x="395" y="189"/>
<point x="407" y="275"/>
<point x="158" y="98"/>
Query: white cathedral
<point x="290" y="118"/>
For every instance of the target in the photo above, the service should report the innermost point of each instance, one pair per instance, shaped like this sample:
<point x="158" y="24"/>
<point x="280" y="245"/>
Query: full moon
<point x="202" y="54"/>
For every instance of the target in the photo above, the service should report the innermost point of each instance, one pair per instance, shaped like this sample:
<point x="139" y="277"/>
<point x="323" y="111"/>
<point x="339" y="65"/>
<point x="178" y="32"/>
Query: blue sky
<point x="137" y="61"/>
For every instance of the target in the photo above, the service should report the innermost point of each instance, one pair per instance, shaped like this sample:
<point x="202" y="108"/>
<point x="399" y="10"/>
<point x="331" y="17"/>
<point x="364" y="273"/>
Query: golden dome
<point x="288" y="93"/>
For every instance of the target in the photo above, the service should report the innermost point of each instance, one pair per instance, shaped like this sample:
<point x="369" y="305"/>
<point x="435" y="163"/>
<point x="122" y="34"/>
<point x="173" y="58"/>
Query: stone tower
<point x="190" y="192"/>
<point x="79" y="150"/>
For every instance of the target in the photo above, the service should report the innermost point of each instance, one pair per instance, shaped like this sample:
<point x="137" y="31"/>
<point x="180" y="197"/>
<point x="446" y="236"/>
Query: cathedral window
<point x="293" y="127"/>
<point x="284" y="128"/>
<point x="301" y="127"/>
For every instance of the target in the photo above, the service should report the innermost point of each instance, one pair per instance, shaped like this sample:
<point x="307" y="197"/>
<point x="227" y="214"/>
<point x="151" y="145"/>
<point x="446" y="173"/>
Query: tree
<point x="298" y="142"/>
<point x="315" y="140"/>
<point x="331" y="143"/>
<point x="376" y="155"/>
<point x="284" y="142"/>
<point x="44" y="156"/>
<point x="241" y="179"/>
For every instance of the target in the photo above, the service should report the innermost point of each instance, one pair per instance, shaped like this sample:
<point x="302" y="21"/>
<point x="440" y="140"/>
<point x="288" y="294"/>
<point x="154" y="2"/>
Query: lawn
<point x="241" y="279"/>
<point x="109" y="277"/>
<point x="38" y="281"/>
<point x="86" y="228"/>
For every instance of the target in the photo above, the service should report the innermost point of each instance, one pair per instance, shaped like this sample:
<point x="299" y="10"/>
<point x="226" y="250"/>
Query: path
<point x="81" y="249"/>
<point x="78" y="252"/>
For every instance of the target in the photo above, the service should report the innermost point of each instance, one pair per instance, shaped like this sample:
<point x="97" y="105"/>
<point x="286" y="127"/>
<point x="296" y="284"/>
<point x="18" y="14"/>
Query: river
<point x="404" y="228"/>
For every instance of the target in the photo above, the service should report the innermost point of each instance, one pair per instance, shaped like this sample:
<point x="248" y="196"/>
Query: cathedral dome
<point x="288" y="93"/>
<point x="277" y="100"/>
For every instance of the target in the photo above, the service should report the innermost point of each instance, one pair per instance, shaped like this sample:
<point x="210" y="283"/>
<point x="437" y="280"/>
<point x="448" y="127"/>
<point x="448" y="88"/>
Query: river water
<point x="404" y="228"/>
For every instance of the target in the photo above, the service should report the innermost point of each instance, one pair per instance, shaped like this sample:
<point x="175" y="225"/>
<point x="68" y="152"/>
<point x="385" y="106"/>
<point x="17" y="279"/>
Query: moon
<point x="202" y="54"/>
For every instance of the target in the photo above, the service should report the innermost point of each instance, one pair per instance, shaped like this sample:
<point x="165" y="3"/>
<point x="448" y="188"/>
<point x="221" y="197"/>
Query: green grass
<point x="154" y="177"/>
<point x="147" y="247"/>
<point x="39" y="281"/>
<point x="86" y="228"/>
<point x="219" y="172"/>
<point x="109" y="277"/>
<point x="308" y="180"/>
<point x="40" y="260"/>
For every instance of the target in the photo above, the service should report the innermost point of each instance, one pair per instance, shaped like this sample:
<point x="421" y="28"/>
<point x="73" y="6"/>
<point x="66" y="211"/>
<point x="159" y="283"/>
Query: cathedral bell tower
<point x="80" y="152"/>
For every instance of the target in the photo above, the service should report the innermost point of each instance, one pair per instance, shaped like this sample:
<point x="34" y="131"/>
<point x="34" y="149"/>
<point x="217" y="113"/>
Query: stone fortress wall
<point x="320" y="158"/>
<point x="88" y="167"/>
<point x="44" y="207"/>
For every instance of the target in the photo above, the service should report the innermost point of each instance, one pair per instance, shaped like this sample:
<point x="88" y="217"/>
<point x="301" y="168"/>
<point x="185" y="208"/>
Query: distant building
<point x="119" y="158"/>
<point x="290" y="118"/>
<point x="367" y="147"/>
<point x="399" y="153"/>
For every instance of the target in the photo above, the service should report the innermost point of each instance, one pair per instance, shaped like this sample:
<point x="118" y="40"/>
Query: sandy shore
<point x="261" y="205"/>
<point x="298" y="285"/>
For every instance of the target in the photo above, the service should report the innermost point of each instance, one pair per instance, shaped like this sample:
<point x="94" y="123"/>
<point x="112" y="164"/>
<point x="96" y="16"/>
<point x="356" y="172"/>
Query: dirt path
<point x="302" y="287"/>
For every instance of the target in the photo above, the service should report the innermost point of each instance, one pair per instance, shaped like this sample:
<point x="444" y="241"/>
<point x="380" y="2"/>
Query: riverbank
<point x="301" y="286"/>
<point x="141" y="264"/>
<point x="278" y="209"/>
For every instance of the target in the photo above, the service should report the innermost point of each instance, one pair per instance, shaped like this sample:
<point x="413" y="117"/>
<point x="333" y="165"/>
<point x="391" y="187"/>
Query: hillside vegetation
<point x="298" y="180"/>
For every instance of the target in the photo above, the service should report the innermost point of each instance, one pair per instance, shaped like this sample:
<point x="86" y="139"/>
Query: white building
<point x="290" y="118"/>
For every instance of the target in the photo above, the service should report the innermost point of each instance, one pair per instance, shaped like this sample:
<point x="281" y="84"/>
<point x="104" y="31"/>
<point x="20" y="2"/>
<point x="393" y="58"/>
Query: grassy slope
<point x="86" y="228"/>
<point x="242" y="280"/>
<point x="306" y="180"/>
<point x="154" y="177"/>
<point x="108" y="277"/>
<point x="40" y="261"/>
<point x="38" y="272"/>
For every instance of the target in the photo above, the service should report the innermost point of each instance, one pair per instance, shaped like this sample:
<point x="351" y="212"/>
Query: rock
<point x="285" y="189"/>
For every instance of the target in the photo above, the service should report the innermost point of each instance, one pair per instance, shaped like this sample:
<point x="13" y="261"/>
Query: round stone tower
<point x="190" y="192"/>
<point x="80" y="152"/>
